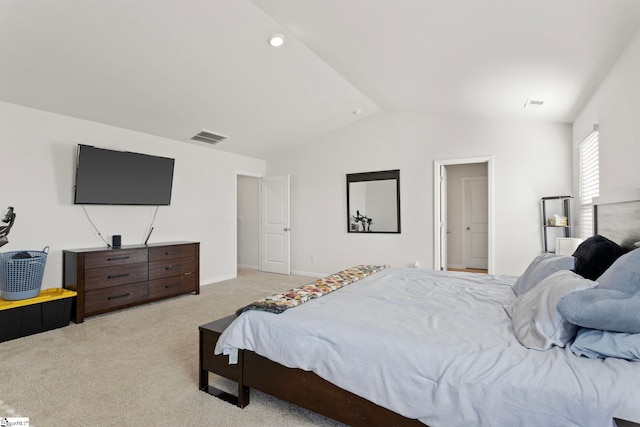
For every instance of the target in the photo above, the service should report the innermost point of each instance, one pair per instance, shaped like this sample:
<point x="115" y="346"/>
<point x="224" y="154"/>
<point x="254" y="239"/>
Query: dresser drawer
<point x="173" y="267"/>
<point x="169" y="286"/>
<point x="172" y="252"/>
<point x="117" y="296"/>
<point x="105" y="277"/>
<point x="115" y="257"/>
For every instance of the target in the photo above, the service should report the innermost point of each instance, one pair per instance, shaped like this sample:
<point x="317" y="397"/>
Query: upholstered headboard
<point x="617" y="217"/>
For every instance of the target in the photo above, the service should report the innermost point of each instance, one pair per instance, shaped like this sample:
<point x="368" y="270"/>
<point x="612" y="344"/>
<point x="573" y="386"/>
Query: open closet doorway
<point x="263" y="223"/>
<point x="463" y="214"/>
<point x="248" y="220"/>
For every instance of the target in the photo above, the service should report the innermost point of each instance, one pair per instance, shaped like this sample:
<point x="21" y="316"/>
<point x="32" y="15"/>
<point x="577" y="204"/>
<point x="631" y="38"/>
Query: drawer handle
<point x="116" y="276"/>
<point x="172" y="252"/>
<point x="171" y="285"/>
<point x="118" y="258"/>
<point x="119" y="296"/>
<point x="169" y="267"/>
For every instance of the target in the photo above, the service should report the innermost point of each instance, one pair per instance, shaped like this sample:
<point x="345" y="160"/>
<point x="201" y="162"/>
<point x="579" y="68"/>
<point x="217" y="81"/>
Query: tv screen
<point x="109" y="177"/>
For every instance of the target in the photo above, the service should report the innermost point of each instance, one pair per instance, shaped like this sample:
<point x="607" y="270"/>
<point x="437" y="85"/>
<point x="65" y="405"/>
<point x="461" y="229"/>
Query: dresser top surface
<point x="125" y="247"/>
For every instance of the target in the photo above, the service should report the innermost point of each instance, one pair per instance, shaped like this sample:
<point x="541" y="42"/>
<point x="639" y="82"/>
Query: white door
<point x="443" y="218"/>
<point x="476" y="223"/>
<point x="274" y="234"/>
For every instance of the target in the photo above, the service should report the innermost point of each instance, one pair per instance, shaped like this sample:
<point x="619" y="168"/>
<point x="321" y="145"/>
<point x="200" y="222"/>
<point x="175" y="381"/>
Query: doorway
<point x="463" y="214"/>
<point x="248" y="222"/>
<point x="263" y="223"/>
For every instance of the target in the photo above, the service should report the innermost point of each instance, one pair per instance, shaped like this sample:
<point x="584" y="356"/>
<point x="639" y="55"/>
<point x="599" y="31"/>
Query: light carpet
<point x="139" y="367"/>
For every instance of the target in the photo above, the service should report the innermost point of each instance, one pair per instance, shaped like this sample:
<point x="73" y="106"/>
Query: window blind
<point x="589" y="181"/>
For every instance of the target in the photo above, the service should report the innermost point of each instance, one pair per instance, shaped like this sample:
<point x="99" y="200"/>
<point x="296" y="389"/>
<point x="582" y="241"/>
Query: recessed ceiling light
<point x="276" y="40"/>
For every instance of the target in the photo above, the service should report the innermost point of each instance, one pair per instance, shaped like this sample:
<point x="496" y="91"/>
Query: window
<point x="589" y="181"/>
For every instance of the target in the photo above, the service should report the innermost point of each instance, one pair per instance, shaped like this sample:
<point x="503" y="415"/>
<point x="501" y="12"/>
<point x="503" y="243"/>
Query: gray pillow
<point x="614" y="305"/>
<point x="596" y="344"/>
<point x="536" y="322"/>
<point x="542" y="266"/>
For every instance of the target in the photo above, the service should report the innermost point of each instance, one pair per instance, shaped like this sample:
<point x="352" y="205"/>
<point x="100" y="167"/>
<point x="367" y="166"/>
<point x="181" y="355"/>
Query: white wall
<point x="615" y="107"/>
<point x="37" y="152"/>
<point x="531" y="160"/>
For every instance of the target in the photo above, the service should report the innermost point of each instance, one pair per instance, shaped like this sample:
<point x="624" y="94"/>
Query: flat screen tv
<point x="109" y="177"/>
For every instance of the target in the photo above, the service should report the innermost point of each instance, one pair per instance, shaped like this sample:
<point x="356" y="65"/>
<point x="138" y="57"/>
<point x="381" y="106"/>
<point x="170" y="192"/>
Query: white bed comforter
<point x="440" y="348"/>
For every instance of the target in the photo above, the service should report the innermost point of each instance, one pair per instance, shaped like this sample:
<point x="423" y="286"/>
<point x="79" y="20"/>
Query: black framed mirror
<point x="373" y="202"/>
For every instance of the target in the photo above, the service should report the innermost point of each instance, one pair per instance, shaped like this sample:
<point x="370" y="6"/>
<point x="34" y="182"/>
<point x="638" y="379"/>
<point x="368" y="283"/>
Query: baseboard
<point x="307" y="273"/>
<point x="217" y="279"/>
<point x="249" y="267"/>
<point x="458" y="266"/>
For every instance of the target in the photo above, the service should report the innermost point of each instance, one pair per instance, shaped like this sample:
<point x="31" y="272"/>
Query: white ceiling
<point x="171" y="68"/>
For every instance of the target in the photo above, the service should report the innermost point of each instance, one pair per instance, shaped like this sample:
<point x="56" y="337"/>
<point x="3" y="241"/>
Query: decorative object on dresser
<point x="108" y="279"/>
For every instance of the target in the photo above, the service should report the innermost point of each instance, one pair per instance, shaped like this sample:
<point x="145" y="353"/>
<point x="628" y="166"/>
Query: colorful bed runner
<point x="280" y="302"/>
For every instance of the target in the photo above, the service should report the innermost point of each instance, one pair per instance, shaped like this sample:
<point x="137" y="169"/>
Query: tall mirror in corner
<point x="373" y="202"/>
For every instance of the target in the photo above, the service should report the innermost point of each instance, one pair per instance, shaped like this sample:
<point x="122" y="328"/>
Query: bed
<point x="416" y="347"/>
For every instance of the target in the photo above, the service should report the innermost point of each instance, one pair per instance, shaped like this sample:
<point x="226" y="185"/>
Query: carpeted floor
<point x="139" y="367"/>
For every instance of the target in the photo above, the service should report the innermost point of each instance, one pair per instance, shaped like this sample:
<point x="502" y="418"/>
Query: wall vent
<point x="208" y="137"/>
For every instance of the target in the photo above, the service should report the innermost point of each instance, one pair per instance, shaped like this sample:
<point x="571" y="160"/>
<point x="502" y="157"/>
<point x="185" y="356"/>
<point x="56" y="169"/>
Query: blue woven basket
<point x="21" y="278"/>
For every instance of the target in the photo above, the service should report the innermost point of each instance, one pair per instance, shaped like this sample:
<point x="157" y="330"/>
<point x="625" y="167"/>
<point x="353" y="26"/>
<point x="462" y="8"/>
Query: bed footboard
<point x="219" y="364"/>
<point x="296" y="386"/>
<point x="309" y="391"/>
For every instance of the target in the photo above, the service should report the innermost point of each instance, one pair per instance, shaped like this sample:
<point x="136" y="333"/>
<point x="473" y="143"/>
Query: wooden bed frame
<point x="296" y="386"/>
<point x="616" y="217"/>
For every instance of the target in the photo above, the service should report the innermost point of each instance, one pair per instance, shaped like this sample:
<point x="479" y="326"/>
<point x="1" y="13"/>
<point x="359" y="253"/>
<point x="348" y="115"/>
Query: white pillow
<point x="541" y="266"/>
<point x="536" y="321"/>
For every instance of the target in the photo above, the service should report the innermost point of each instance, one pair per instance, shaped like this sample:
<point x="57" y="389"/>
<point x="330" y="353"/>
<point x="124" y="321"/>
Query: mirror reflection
<point x="373" y="202"/>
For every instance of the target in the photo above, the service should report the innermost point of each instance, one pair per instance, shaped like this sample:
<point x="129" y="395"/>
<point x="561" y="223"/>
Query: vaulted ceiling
<point x="172" y="68"/>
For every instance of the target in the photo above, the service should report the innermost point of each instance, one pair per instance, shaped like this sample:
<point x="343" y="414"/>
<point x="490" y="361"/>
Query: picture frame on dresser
<point x="108" y="279"/>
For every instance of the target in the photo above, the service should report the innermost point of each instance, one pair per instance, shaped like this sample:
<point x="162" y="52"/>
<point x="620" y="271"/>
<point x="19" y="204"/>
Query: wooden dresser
<point x="108" y="279"/>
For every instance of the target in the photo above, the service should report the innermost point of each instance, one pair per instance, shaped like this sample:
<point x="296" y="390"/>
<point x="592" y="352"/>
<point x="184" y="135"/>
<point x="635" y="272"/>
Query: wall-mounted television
<point x="110" y="177"/>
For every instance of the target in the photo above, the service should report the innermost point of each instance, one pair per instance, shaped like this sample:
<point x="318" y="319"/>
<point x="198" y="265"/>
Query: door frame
<point x="443" y="229"/>
<point x="437" y="200"/>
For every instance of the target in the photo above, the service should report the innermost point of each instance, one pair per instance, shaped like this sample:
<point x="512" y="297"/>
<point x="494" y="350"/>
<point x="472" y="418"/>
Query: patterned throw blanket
<point x="280" y="302"/>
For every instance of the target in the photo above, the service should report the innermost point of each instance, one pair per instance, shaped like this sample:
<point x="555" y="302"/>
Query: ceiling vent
<point x="208" y="137"/>
<point x="533" y="103"/>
